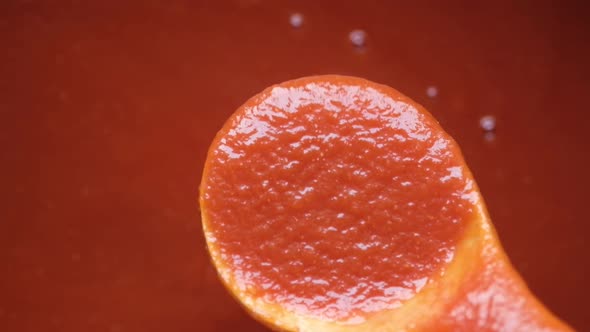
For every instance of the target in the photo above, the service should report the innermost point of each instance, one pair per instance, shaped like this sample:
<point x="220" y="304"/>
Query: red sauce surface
<point x="107" y="109"/>
<point x="334" y="196"/>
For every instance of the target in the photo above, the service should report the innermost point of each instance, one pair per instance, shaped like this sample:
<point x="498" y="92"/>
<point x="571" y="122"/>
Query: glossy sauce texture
<point x="108" y="109"/>
<point x="334" y="197"/>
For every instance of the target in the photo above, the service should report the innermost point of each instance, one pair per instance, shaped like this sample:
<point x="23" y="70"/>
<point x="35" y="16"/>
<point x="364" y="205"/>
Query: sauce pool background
<point x="108" y="111"/>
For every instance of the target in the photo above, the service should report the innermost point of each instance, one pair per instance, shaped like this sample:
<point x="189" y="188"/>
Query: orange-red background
<point x="107" y="110"/>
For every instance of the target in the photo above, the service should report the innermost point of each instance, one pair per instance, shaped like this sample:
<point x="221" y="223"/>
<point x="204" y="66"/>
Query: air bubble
<point x="357" y="37"/>
<point x="296" y="20"/>
<point x="487" y="123"/>
<point x="432" y="91"/>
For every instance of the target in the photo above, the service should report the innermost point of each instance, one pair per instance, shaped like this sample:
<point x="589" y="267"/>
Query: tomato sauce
<point x="108" y="109"/>
<point x="334" y="196"/>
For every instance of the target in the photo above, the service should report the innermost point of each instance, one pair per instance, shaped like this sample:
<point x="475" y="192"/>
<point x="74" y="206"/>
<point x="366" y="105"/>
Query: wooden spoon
<point x="332" y="203"/>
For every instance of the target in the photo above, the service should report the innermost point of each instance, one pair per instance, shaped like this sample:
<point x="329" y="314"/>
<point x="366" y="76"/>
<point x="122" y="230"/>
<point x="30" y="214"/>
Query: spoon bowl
<point x="332" y="203"/>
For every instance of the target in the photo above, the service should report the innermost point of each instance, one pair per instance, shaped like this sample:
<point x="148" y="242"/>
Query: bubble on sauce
<point x="432" y="91"/>
<point x="358" y="37"/>
<point x="296" y="20"/>
<point x="487" y="123"/>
